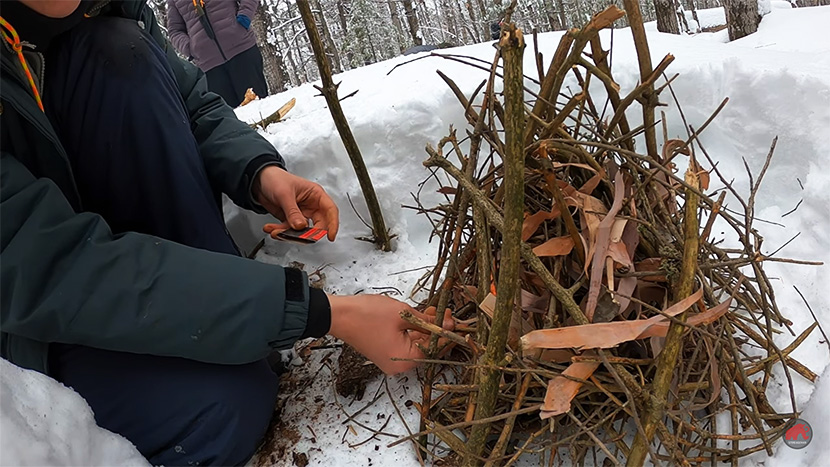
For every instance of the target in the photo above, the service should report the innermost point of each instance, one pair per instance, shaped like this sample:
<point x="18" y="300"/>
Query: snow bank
<point x="45" y="423"/>
<point x="708" y="17"/>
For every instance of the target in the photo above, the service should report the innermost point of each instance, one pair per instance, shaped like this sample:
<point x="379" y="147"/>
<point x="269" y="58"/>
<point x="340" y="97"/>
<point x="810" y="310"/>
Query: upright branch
<point x="635" y="19"/>
<point x="512" y="48"/>
<point x="329" y="91"/>
<point x="667" y="360"/>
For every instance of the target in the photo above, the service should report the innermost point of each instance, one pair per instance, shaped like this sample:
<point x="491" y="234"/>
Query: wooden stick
<point x="329" y="91"/>
<point x="667" y="360"/>
<point x="638" y="30"/>
<point x="512" y="48"/>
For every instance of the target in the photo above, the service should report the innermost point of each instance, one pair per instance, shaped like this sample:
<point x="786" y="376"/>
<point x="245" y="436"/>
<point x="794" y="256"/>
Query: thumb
<point x="293" y="215"/>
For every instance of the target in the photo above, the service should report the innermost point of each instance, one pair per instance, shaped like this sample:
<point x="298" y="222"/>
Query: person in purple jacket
<point x="216" y="35"/>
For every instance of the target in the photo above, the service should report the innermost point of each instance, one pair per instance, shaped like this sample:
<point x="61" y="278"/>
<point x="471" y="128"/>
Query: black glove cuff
<point x="319" y="314"/>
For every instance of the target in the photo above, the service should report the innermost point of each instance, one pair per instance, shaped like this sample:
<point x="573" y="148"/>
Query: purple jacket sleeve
<point x="177" y="30"/>
<point x="248" y="8"/>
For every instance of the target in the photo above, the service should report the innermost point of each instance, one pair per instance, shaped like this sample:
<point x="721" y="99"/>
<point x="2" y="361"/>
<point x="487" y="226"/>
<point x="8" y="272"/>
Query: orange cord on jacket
<point x="14" y="40"/>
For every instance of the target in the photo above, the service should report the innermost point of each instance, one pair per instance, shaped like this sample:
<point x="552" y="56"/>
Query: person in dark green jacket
<point x="118" y="277"/>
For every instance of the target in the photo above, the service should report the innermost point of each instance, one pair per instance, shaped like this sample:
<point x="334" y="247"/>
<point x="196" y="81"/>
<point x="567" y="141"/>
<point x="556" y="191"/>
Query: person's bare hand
<point x="294" y="200"/>
<point x="373" y="326"/>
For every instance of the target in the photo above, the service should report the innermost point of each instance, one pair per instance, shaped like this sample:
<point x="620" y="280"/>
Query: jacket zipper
<point x="97" y="8"/>
<point x="42" y="72"/>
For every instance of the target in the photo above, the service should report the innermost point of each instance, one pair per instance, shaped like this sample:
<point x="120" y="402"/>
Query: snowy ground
<point x="778" y="82"/>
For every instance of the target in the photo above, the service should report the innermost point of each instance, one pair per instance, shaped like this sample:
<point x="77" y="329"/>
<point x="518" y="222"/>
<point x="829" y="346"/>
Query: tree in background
<point x="360" y="32"/>
<point x="666" y="11"/>
<point x="263" y="24"/>
<point x="743" y="16"/>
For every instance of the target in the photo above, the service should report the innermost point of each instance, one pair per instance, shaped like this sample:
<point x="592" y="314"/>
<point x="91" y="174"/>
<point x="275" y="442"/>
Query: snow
<point x="778" y="83"/>
<point x="709" y="17"/>
<point x="45" y="423"/>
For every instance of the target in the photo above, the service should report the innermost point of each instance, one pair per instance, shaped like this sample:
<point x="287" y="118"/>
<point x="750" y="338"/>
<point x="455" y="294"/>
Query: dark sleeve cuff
<point x="252" y="171"/>
<point x="319" y="314"/>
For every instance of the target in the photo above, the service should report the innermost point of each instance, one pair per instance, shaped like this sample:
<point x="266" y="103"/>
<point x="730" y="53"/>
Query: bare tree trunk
<point x="427" y="23"/>
<point x="681" y="17"/>
<point x="331" y="50"/>
<point x="302" y="70"/>
<point x="484" y="23"/>
<point x="272" y="64"/>
<point x="563" y="20"/>
<point x="396" y="23"/>
<point x="295" y="75"/>
<point x="412" y="21"/>
<point x="474" y="20"/>
<point x="742" y="17"/>
<point x="341" y="14"/>
<point x="666" y="16"/>
<point x="693" y="4"/>
<point x="467" y="36"/>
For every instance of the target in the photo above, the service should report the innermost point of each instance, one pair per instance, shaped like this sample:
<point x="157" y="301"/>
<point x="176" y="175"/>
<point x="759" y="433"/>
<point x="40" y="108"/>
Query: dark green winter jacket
<point x="66" y="278"/>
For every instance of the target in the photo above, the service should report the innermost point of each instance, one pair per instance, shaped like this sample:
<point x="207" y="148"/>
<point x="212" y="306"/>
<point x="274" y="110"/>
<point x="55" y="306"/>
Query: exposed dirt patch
<point x="355" y="372"/>
<point x="300" y="459"/>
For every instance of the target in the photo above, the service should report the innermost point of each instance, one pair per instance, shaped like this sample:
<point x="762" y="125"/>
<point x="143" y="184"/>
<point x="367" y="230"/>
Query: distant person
<point x="495" y="30"/>
<point x="216" y="35"/>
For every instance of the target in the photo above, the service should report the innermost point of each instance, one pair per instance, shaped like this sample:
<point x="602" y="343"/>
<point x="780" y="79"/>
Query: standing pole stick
<point x="635" y="19"/>
<point x="512" y="48"/>
<point x="329" y="91"/>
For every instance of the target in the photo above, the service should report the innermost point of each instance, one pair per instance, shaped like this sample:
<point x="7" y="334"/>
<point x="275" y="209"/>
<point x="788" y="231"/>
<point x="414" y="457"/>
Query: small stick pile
<point x="597" y="317"/>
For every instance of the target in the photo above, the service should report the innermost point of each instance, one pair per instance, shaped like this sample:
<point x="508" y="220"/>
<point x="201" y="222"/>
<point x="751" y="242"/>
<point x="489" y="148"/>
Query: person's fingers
<point x="275" y="229"/>
<point x="415" y="334"/>
<point x="293" y="216"/>
<point x="449" y="322"/>
<point x="332" y="215"/>
<point x="270" y="227"/>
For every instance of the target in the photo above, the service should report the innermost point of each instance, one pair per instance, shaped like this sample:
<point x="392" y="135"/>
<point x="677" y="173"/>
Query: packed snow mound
<point x="793" y="30"/>
<point x="45" y="423"/>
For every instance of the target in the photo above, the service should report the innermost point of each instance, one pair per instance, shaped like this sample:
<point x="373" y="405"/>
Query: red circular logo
<point x="798" y="434"/>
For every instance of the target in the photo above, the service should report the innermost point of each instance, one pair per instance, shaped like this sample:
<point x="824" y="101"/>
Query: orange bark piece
<point x="558" y="246"/>
<point x="562" y="390"/>
<point x="532" y="223"/>
<point x="605" y="335"/>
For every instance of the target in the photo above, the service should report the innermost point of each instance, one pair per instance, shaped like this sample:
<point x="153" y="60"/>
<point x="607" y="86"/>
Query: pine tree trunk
<point x="742" y="17"/>
<point x="666" y="16"/>
<point x="412" y="21"/>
